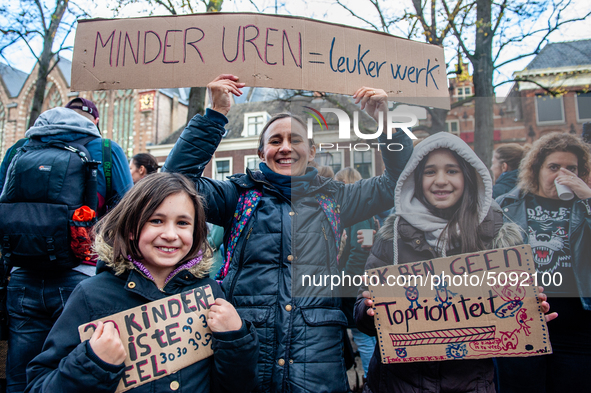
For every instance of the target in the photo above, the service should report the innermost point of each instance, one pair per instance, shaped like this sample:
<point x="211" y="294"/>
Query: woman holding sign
<point x="282" y="225"/>
<point x="150" y="248"/>
<point x="443" y="207"/>
<point x="552" y="207"/>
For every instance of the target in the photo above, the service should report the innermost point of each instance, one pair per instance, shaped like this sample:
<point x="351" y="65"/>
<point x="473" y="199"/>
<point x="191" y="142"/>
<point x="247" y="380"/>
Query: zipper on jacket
<point x="324" y="232"/>
<point x="240" y="263"/>
<point x="587" y="206"/>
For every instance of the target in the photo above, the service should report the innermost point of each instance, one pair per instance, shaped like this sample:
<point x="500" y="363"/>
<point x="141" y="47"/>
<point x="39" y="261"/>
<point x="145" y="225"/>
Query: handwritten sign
<point x="263" y="50"/>
<point x="161" y="337"/>
<point x="468" y="306"/>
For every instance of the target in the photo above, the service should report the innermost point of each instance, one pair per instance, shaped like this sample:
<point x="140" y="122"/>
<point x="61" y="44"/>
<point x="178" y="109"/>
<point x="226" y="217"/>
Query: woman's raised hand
<point x="107" y="345"/>
<point x="373" y="101"/>
<point x="575" y="183"/>
<point x="219" y="91"/>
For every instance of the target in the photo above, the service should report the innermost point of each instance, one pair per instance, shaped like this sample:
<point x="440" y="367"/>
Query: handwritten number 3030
<point x="208" y="337"/>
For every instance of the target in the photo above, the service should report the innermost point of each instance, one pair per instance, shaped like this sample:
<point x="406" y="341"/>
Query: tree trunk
<point x="45" y="61"/>
<point x="438" y="117"/>
<point x="196" y="102"/>
<point x="483" y="87"/>
<point x="197" y="94"/>
<point x="40" y="83"/>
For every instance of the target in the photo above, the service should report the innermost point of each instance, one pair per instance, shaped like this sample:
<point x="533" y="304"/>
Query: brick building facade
<point x="135" y="119"/>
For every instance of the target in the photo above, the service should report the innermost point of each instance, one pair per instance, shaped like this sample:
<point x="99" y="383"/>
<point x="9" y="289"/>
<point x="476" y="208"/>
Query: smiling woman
<point x="280" y="223"/>
<point x="284" y="147"/>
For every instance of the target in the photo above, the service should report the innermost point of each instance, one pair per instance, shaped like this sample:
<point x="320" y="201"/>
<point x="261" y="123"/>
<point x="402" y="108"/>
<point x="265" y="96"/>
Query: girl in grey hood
<point x="443" y="207"/>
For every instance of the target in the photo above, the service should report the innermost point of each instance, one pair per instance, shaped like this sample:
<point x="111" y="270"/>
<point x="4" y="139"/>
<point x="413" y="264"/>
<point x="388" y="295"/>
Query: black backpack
<point x="45" y="183"/>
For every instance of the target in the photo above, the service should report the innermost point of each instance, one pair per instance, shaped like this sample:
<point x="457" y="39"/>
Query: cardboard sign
<point x="161" y="337"/>
<point x="263" y="50"/>
<point x="468" y="306"/>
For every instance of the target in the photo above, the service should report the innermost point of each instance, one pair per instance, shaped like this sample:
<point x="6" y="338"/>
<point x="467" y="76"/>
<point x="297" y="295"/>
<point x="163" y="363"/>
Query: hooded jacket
<point x="300" y="326"/>
<point x="67" y="125"/>
<point x="70" y="366"/>
<point x="413" y="227"/>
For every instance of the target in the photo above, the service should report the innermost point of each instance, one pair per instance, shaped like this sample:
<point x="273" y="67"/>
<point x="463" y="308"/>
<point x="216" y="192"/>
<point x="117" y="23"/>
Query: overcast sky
<point x="325" y="10"/>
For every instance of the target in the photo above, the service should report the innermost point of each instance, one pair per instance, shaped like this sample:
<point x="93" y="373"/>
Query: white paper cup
<point x="564" y="192"/>
<point x="367" y="237"/>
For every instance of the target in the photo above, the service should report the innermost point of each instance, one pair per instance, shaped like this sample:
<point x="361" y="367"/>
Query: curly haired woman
<point x="559" y="232"/>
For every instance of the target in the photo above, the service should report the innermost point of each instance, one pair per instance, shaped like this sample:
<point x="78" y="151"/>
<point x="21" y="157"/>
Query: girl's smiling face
<point x="443" y="180"/>
<point x="167" y="236"/>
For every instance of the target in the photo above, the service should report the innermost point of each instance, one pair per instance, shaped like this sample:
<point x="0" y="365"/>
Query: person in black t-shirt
<point x="559" y="232"/>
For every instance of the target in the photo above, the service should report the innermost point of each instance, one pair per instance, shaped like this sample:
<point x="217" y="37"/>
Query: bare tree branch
<point x="357" y="16"/>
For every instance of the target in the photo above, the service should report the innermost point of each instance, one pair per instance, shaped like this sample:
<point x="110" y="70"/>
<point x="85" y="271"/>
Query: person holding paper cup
<point x="151" y="247"/>
<point x="282" y="224"/>
<point x="443" y="207"/>
<point x="552" y="207"/>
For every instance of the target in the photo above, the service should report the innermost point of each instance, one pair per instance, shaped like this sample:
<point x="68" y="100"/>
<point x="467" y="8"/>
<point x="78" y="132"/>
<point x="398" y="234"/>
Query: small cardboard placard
<point x="468" y="306"/>
<point x="263" y="50"/>
<point x="161" y="337"/>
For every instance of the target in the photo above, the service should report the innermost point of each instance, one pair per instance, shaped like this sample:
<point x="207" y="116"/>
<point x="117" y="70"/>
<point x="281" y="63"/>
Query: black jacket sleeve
<point x="379" y="256"/>
<point x="235" y="356"/>
<point x="368" y="197"/>
<point x="190" y="155"/>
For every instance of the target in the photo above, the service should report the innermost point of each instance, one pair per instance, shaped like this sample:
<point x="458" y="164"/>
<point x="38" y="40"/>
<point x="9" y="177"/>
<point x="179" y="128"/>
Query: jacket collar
<point x="136" y="282"/>
<point x="416" y="237"/>
<point x="252" y="179"/>
<point x="515" y="194"/>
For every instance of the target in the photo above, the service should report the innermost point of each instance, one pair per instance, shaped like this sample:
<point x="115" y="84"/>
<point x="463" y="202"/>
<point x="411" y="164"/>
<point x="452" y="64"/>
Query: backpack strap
<point x="16" y="146"/>
<point x="332" y="211"/>
<point x="247" y="203"/>
<point x="108" y="168"/>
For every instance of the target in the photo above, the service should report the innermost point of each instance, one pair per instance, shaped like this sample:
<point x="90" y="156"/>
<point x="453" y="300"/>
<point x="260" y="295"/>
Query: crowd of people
<point x="252" y="237"/>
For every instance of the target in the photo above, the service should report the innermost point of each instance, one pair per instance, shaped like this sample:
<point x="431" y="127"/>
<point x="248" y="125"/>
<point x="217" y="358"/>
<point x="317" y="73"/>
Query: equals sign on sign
<point x="315" y="61"/>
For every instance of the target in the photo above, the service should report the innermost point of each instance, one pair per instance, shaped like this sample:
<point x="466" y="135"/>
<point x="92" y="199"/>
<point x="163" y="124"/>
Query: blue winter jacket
<point x="505" y="183"/>
<point x="579" y="234"/>
<point x="300" y="326"/>
<point x="68" y="366"/>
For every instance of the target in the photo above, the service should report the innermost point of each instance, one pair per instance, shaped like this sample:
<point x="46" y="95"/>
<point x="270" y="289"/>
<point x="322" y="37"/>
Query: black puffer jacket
<point x="66" y="365"/>
<point x="300" y="328"/>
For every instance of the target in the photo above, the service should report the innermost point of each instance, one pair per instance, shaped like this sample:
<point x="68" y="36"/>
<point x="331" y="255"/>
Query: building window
<point x="453" y="126"/>
<point x="123" y="111"/>
<point x="464" y="92"/>
<point x="53" y="97"/>
<point x="363" y="162"/>
<point x="222" y="168"/>
<point x="549" y="109"/>
<point x="101" y="100"/>
<point x="583" y="107"/>
<point x="332" y="159"/>
<point x="252" y="163"/>
<point x="254" y="123"/>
